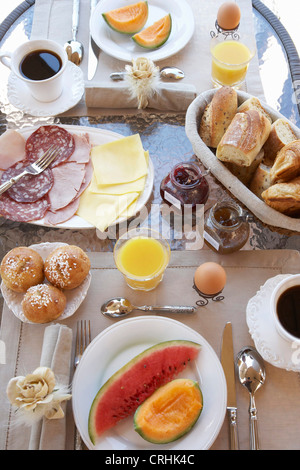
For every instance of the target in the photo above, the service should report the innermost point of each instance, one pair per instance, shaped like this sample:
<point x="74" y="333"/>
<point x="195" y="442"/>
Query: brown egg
<point x="229" y="15"/>
<point x="210" y="278"/>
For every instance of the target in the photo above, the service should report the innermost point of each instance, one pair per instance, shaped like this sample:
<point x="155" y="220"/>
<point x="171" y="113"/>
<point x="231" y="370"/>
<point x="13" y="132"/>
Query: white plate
<point x="119" y="343"/>
<point x="271" y="346"/>
<point x="122" y="47"/>
<point x="97" y="137"/>
<point x="73" y="90"/>
<point x="74" y="296"/>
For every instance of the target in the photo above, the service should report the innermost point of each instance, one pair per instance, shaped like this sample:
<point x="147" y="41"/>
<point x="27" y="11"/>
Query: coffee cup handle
<point x="5" y="59"/>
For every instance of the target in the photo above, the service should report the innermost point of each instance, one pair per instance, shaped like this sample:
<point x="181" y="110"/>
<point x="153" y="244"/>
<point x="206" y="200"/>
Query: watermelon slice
<point x="121" y="395"/>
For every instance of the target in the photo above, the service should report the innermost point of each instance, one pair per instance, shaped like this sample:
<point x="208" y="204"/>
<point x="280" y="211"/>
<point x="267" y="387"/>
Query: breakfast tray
<point x="246" y="272"/>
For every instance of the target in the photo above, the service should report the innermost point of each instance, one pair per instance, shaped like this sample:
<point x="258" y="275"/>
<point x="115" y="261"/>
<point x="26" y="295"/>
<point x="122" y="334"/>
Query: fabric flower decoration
<point x="142" y="78"/>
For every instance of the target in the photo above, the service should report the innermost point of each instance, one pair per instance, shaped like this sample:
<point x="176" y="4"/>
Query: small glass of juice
<point x="230" y="60"/>
<point x="142" y="256"/>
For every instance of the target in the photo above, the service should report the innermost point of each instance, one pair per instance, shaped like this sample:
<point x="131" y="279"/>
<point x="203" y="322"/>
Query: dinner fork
<point x="83" y="339"/>
<point x="34" y="168"/>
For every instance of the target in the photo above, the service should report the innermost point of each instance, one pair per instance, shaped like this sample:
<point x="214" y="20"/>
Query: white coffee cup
<point x="42" y="90"/>
<point x="283" y="286"/>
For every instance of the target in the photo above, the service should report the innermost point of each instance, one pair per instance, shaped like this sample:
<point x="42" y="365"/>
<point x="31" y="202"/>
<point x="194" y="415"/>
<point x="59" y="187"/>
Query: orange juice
<point x="230" y="62"/>
<point x="142" y="260"/>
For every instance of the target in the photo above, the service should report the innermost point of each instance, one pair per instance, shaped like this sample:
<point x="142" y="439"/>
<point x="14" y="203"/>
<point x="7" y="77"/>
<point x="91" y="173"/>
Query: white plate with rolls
<point x="219" y="169"/>
<point x="74" y="297"/>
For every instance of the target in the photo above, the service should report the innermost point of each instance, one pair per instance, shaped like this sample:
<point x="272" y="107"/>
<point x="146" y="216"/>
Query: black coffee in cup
<point x="40" y="65"/>
<point x="288" y="310"/>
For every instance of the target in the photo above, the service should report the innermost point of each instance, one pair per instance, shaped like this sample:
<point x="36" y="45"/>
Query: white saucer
<point x="73" y="90"/>
<point x="272" y="347"/>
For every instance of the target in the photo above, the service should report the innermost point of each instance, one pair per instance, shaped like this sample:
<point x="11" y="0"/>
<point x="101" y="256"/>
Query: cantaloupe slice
<point x="155" y="35"/>
<point x="129" y="19"/>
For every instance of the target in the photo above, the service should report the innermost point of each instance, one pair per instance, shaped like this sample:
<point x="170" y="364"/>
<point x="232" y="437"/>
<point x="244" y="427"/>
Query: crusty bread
<point x="43" y="303"/>
<point x="253" y="103"/>
<point x="261" y="180"/>
<point x="217" y="116"/>
<point x="280" y="135"/>
<point x="244" y="138"/>
<point x="245" y="173"/>
<point x="21" y="268"/>
<point x="284" y="197"/>
<point x="287" y="163"/>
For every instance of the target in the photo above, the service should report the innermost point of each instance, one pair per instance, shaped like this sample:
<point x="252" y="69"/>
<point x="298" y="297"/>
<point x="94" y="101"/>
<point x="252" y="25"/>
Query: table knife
<point x="92" y="57"/>
<point x="227" y="360"/>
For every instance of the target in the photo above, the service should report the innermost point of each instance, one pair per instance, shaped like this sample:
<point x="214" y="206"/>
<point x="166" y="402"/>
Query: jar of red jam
<point x="184" y="185"/>
<point x="226" y="229"/>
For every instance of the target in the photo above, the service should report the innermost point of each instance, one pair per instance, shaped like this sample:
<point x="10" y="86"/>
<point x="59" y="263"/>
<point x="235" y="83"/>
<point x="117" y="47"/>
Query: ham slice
<point x="12" y="148"/>
<point x="63" y="214"/>
<point x="82" y="150"/>
<point x="68" y="178"/>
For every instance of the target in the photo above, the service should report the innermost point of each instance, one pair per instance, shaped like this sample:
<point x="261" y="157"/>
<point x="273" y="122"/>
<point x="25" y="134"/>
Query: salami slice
<point x="46" y="136"/>
<point x="23" y="211"/>
<point x="29" y="188"/>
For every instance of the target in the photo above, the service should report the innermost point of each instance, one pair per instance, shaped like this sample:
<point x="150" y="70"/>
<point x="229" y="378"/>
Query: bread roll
<point x="284" y="197"/>
<point x="22" y="268"/>
<point x="253" y="103"/>
<point x="244" y="138"/>
<point x="280" y="135"/>
<point x="67" y="267"/>
<point x="43" y="303"/>
<point x="261" y="180"/>
<point x="287" y="163"/>
<point x="217" y="116"/>
<point x="245" y="173"/>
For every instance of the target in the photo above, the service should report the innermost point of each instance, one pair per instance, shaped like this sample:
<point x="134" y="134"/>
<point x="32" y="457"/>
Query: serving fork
<point x="34" y="168"/>
<point x="83" y="339"/>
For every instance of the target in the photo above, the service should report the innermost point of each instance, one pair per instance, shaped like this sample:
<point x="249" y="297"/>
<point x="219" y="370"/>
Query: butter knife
<point x="92" y="57"/>
<point x="227" y="360"/>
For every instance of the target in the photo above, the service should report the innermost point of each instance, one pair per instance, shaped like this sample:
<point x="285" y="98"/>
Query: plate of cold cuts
<point x="52" y="198"/>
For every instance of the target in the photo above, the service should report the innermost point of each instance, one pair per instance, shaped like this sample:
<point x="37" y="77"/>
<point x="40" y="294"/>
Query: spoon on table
<point x="74" y="48"/>
<point x="120" y="307"/>
<point x="173" y="73"/>
<point x="251" y="371"/>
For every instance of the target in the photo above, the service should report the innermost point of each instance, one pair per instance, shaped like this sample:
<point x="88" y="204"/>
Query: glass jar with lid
<point x="185" y="185"/>
<point x="226" y="229"/>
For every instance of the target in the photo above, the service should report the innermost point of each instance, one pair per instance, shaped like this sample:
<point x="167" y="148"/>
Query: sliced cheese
<point x="102" y="210"/>
<point x="117" y="189"/>
<point x="120" y="161"/>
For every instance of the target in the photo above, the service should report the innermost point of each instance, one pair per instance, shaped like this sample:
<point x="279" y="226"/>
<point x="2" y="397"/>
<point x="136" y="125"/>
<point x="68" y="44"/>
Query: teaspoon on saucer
<point x="120" y="307"/>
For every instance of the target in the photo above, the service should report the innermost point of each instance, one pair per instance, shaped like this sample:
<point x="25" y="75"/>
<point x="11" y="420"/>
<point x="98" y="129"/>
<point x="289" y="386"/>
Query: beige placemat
<point x="52" y="19"/>
<point x="278" y="401"/>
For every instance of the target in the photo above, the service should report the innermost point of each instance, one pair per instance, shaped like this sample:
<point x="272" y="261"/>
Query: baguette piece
<point x="284" y="197"/>
<point x="287" y="163"/>
<point x="261" y="180"/>
<point x="217" y="116"/>
<point x="244" y="138"/>
<point x="253" y="103"/>
<point x="281" y="134"/>
<point x="245" y="173"/>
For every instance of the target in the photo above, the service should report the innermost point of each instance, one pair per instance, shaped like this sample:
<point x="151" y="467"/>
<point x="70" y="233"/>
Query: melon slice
<point x="155" y="35"/>
<point x="121" y="395"/>
<point x="170" y="412"/>
<point x="129" y="19"/>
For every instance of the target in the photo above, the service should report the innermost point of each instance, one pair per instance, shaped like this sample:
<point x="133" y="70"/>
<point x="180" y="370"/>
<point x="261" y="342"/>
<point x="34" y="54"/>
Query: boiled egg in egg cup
<point x="228" y="19"/>
<point x="209" y="282"/>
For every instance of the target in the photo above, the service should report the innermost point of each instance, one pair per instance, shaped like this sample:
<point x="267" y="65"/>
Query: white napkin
<point x="56" y="354"/>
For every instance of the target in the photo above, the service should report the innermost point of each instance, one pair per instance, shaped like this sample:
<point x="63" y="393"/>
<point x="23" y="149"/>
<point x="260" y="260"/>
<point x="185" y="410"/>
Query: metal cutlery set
<point x="250" y="369"/>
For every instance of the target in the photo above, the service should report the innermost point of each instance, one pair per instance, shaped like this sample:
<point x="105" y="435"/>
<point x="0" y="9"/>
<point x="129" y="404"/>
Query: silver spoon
<point x="120" y="307"/>
<point x="74" y="48"/>
<point x="172" y="73"/>
<point x="252" y="376"/>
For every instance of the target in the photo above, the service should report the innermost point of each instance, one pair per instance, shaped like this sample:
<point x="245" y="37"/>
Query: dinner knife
<point x="92" y="57"/>
<point x="227" y="360"/>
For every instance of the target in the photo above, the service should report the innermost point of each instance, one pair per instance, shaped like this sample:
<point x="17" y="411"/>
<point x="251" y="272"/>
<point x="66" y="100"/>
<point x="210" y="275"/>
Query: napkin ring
<point x="206" y="297"/>
<point x="142" y="78"/>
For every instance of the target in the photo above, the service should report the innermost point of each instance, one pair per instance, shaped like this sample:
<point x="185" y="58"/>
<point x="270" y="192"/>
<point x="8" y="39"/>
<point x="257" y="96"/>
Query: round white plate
<point x="122" y="47"/>
<point x="118" y="344"/>
<point x="271" y="346"/>
<point x="74" y="296"/>
<point x="97" y="137"/>
<point x="73" y="90"/>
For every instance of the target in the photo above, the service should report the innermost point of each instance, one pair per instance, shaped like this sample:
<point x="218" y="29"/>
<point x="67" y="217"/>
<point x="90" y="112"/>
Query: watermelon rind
<point x="136" y="27"/>
<point x="137" y="38"/>
<point x="103" y="392"/>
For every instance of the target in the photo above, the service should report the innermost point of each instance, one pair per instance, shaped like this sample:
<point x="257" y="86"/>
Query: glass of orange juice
<point x="142" y="256"/>
<point x="230" y="60"/>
